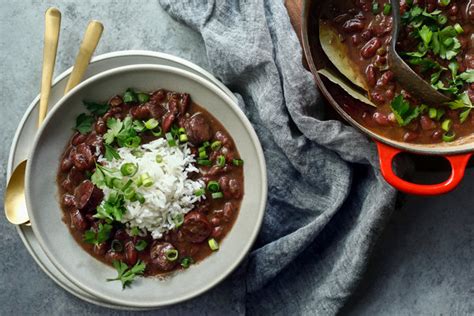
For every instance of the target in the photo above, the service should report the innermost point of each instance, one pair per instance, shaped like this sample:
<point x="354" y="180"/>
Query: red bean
<point x="370" y="48"/>
<point x="140" y="112"/>
<point x="228" y="212"/>
<point x="78" y="138"/>
<point x="66" y="165"/>
<point x="381" y="119"/>
<point x="173" y="106"/>
<point x="168" y="119"/>
<point x="385" y="79"/>
<point x="184" y="103"/>
<point x="410" y="136"/>
<point x="377" y="97"/>
<point x="112" y="255"/>
<point x="131" y="254"/>
<point x="68" y="200"/>
<point x="215" y="221"/>
<point x="100" y="249"/>
<point x="100" y="126"/>
<point x="453" y="11"/>
<point x="115" y="101"/>
<point x="353" y="26"/>
<point x="426" y="123"/>
<point x="217" y="232"/>
<point x="356" y="39"/>
<point x="370" y="74"/>
<point x="78" y="221"/>
<point x="158" y="96"/>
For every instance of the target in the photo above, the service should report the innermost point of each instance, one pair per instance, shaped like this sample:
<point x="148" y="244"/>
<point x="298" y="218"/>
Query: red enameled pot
<point x="457" y="153"/>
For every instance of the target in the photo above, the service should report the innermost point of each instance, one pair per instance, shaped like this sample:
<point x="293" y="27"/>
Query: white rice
<point x="171" y="194"/>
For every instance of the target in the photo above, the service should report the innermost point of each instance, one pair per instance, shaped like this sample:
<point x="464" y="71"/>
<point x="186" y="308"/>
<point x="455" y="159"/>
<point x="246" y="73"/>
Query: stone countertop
<point x="422" y="263"/>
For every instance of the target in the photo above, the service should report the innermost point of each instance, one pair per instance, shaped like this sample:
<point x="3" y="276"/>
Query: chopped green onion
<point x="216" y="145"/>
<point x="446" y="125"/>
<point x="213" y="244"/>
<point x="183" y="138"/>
<point x="442" y="19"/>
<point x="186" y="262"/>
<point x="116" y="246"/>
<point x="375" y="7"/>
<point x="133" y="142"/>
<point x="387" y="8"/>
<point x="213" y="186"/>
<point x="170" y="139"/>
<point x="129" y="169"/>
<point x="127" y="185"/>
<point x="141" y="245"/>
<point x="202" y="149"/>
<point x="140" y="198"/>
<point x="156" y="132"/>
<point x="178" y="220"/>
<point x="199" y="192"/>
<point x="202" y="154"/>
<point x="432" y="113"/>
<point x="238" y="162"/>
<point x="444" y="2"/>
<point x="458" y="28"/>
<point x="181" y="130"/>
<point x="220" y="161"/>
<point x="135" y="231"/>
<point x="217" y="195"/>
<point x="143" y="97"/>
<point x="117" y="183"/>
<point x="205" y="144"/>
<point x="439" y="113"/>
<point x="171" y="254"/>
<point x="129" y="96"/>
<point x="137" y="153"/>
<point x="204" y="162"/>
<point x="147" y="181"/>
<point x="159" y="159"/>
<point x="449" y="136"/>
<point x="151" y="124"/>
<point x="129" y="194"/>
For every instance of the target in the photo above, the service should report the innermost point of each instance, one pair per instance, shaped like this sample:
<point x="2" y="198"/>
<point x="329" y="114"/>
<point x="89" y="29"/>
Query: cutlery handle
<point x="88" y="46"/>
<point x="51" y="39"/>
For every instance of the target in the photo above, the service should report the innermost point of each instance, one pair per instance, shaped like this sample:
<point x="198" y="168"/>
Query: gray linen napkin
<point x="327" y="201"/>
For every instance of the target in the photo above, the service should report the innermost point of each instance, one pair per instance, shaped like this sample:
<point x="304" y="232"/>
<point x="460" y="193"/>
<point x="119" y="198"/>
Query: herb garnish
<point x="98" y="236"/>
<point x="462" y="102"/>
<point x="404" y="113"/>
<point x="84" y="123"/>
<point x="95" y="108"/>
<point x="126" y="275"/>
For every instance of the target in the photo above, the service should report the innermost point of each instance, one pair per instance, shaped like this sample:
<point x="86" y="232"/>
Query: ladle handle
<point x="86" y="50"/>
<point x="51" y="39"/>
<point x="458" y="167"/>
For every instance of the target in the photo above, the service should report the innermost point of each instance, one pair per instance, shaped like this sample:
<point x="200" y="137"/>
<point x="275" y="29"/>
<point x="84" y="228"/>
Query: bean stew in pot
<point x="436" y="40"/>
<point x="149" y="182"/>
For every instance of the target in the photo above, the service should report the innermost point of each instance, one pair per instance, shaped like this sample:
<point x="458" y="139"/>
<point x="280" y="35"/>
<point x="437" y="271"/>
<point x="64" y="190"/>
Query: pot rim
<point x="462" y="146"/>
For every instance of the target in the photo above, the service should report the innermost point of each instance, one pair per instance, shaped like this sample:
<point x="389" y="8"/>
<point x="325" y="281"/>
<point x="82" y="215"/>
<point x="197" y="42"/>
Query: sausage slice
<point x="196" y="228"/>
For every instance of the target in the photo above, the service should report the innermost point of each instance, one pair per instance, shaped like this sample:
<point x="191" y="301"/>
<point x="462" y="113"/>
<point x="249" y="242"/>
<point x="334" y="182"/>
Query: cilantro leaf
<point x="98" y="236"/>
<point x="426" y="34"/>
<point x="464" y="115"/>
<point x="462" y="101"/>
<point x="127" y="275"/>
<point x="404" y="113"/>
<point x="467" y="76"/>
<point x="95" y="108"/>
<point x="84" y="123"/>
<point x="110" y="153"/>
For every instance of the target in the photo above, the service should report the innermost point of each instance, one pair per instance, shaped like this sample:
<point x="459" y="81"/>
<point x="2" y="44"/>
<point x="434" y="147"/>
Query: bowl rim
<point x="232" y="105"/>
<point x="423" y="149"/>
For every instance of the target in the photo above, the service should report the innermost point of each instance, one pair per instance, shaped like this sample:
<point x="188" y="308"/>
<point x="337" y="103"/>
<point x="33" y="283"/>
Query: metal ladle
<point x="406" y="76"/>
<point x="15" y="204"/>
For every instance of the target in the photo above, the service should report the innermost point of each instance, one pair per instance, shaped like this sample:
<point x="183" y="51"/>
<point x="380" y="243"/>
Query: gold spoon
<point x="15" y="206"/>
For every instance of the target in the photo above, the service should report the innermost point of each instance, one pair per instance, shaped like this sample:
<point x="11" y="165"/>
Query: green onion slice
<point x="147" y="181"/>
<point x="202" y="154"/>
<point x="170" y="139"/>
<point x="159" y="159"/>
<point x="238" y="162"/>
<point x="183" y="138"/>
<point x="213" y="244"/>
<point x="116" y="245"/>
<point x="458" y="28"/>
<point x="140" y="198"/>
<point x="171" y="254"/>
<point x="181" y="130"/>
<point x="220" y="161"/>
<point x="178" y="220"/>
<point x="432" y="113"/>
<point x="186" y="262"/>
<point x="199" y="192"/>
<point x="129" y="169"/>
<point x="449" y="136"/>
<point x="213" y="186"/>
<point x="446" y="125"/>
<point x="387" y="8"/>
<point x="151" y="123"/>
<point x="204" y="162"/>
<point x="217" y="195"/>
<point x="216" y="145"/>
<point x="141" y="245"/>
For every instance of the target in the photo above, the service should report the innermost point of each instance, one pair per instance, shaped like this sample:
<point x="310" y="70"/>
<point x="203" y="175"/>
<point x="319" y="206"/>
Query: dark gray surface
<point x="422" y="264"/>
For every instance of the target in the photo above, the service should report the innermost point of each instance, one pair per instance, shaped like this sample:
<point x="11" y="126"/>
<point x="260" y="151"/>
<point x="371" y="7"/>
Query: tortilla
<point x="338" y="54"/>
<point x="351" y="90"/>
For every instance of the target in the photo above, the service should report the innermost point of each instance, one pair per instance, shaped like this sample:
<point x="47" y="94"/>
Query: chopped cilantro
<point x="98" y="236"/>
<point x="84" y="123"/>
<point x="404" y="113"/>
<point x="126" y="275"/>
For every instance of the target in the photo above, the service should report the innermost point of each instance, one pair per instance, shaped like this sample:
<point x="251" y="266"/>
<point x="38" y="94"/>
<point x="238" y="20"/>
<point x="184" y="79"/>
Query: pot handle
<point x="458" y="166"/>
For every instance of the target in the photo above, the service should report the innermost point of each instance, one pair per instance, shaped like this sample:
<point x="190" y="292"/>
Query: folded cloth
<point x="327" y="201"/>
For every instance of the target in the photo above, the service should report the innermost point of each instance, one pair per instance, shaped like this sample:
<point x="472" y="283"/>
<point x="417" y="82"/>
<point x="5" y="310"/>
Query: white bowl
<point x="46" y="216"/>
